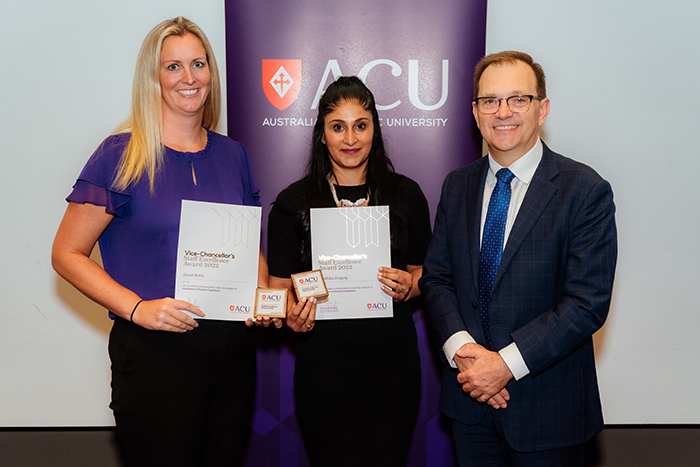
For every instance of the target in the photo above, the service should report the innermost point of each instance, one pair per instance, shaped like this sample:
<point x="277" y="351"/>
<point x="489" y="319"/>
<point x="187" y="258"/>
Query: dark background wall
<point x="619" y="446"/>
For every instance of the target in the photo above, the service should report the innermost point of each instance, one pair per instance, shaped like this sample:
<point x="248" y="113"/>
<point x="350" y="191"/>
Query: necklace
<point x="345" y="202"/>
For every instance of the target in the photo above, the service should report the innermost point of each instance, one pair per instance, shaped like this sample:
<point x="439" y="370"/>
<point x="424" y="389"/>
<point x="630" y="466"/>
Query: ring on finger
<point x="309" y="326"/>
<point x="403" y="287"/>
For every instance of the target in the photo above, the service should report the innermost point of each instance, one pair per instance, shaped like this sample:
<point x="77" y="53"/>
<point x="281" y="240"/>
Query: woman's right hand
<point x="77" y="235"/>
<point x="264" y="321"/>
<point x="165" y="315"/>
<point x="302" y="316"/>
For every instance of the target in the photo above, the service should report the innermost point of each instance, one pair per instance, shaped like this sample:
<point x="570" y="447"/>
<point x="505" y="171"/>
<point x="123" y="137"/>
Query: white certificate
<point x="349" y="245"/>
<point x="217" y="258"/>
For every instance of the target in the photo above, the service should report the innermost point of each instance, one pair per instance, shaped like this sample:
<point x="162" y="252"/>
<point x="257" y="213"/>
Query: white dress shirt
<point x="523" y="169"/>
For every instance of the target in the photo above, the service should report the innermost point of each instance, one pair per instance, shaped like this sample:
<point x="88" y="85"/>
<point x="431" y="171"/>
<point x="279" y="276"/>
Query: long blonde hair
<point x="144" y="153"/>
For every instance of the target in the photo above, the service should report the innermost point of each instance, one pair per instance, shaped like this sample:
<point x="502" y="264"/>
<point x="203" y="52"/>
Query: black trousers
<point x="183" y="399"/>
<point x="485" y="445"/>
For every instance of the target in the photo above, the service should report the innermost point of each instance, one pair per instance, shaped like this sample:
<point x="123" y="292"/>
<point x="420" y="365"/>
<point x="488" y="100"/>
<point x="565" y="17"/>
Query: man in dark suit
<point x="518" y="277"/>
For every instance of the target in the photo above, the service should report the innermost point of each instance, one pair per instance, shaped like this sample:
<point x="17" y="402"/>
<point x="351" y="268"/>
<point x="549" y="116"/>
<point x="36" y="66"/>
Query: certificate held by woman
<point x="349" y="244"/>
<point x="217" y="257"/>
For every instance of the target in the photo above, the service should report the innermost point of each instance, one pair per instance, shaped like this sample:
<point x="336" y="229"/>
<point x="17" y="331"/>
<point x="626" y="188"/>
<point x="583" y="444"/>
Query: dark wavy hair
<point x="379" y="167"/>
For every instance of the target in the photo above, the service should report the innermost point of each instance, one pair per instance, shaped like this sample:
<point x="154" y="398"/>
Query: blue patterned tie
<point x="492" y="245"/>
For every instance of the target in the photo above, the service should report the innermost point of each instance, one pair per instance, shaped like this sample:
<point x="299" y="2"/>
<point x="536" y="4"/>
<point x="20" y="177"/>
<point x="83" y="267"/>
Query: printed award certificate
<point x="349" y="245"/>
<point x="217" y="258"/>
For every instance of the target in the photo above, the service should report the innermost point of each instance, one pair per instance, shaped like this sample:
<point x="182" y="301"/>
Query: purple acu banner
<point x="417" y="57"/>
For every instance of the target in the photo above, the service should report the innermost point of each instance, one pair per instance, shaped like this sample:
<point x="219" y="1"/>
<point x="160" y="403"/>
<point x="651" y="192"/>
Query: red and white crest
<point x="281" y="81"/>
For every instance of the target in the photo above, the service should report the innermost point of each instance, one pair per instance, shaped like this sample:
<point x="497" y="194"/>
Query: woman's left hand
<point x="302" y="316"/>
<point x="397" y="283"/>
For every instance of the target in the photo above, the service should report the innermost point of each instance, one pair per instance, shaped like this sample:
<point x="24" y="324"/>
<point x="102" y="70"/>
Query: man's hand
<point x="500" y="400"/>
<point x="483" y="374"/>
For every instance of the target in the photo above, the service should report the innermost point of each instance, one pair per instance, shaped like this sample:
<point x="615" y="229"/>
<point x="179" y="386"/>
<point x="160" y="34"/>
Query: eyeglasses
<point x="516" y="104"/>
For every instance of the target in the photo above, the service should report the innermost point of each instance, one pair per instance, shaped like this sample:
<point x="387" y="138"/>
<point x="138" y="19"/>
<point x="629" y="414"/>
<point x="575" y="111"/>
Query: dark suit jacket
<point x="551" y="293"/>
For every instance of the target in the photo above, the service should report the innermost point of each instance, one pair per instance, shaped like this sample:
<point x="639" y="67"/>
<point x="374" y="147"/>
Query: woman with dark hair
<point x="357" y="381"/>
<point x="182" y="390"/>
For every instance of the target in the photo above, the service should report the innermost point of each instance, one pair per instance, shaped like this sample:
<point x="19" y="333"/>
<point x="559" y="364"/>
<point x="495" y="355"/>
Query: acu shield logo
<point x="281" y="81"/>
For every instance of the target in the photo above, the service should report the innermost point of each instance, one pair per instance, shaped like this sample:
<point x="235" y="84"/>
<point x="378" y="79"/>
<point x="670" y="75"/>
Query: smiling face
<point x="510" y="135"/>
<point x="348" y="133"/>
<point x="184" y="77"/>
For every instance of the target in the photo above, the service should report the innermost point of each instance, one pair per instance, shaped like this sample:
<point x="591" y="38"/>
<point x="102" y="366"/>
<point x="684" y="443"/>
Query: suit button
<point x="474" y="305"/>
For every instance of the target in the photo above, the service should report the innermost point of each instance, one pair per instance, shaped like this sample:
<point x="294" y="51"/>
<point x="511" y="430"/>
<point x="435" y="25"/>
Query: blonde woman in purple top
<point x="182" y="390"/>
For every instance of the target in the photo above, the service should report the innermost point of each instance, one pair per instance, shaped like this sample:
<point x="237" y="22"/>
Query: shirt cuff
<point x="514" y="360"/>
<point x="453" y="344"/>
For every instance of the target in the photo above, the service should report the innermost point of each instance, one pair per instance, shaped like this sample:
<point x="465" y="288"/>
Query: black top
<point x="347" y="370"/>
<point x="358" y="340"/>
<point x="289" y="241"/>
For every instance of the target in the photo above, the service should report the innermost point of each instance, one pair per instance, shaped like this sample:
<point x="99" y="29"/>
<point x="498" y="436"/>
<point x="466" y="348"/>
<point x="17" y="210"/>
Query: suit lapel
<point x="541" y="191"/>
<point x="475" y="197"/>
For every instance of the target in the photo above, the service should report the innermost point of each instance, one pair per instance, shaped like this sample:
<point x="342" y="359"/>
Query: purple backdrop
<point x="417" y="57"/>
